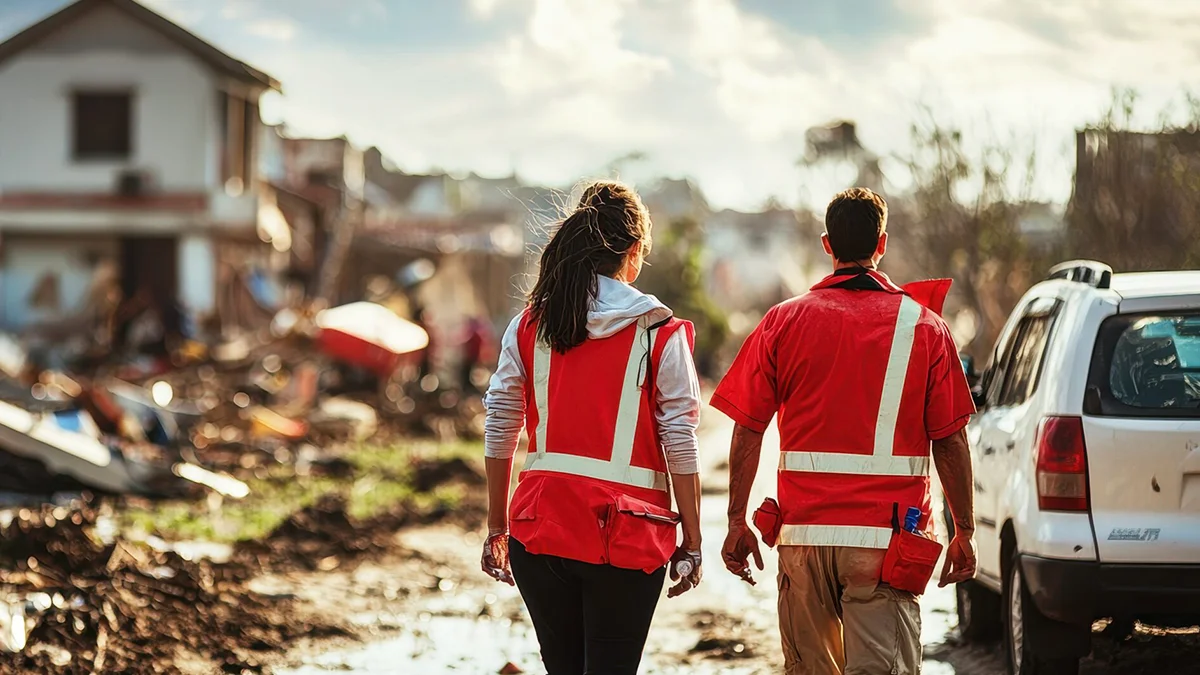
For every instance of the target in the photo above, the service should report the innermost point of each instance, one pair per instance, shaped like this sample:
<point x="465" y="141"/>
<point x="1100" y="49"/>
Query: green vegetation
<point x="380" y="479"/>
<point x="674" y="276"/>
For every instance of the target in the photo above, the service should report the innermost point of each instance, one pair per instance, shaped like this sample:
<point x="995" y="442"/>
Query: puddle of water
<point x="436" y="645"/>
<point x="937" y="668"/>
<point x="939" y="617"/>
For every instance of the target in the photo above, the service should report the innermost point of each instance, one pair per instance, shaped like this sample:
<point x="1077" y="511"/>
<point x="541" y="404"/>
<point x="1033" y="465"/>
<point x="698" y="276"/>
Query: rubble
<point x="86" y="604"/>
<point x="163" y="427"/>
<point x="197" y="423"/>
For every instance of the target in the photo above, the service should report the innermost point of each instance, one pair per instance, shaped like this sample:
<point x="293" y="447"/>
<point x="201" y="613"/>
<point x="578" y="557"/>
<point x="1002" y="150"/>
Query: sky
<point x="721" y="91"/>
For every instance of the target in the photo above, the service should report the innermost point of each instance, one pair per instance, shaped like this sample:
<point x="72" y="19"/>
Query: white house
<point x="126" y="142"/>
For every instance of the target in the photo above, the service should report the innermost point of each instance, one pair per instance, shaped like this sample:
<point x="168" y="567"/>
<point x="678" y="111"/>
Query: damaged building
<point x="129" y="172"/>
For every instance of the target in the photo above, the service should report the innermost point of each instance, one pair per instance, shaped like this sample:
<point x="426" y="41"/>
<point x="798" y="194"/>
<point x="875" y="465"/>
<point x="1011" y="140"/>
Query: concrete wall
<point x="174" y="109"/>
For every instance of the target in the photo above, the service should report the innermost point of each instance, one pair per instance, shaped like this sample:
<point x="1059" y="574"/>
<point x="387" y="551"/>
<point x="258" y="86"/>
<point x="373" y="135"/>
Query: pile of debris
<point x="85" y="606"/>
<point x="76" y="598"/>
<point x="197" y="423"/>
<point x="162" y="427"/>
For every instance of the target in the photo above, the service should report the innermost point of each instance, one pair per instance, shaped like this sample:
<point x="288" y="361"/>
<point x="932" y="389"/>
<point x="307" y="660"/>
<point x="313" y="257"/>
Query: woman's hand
<point x="495" y="547"/>
<point x="685" y="568"/>
<point x="687" y="496"/>
<point x="495" y="558"/>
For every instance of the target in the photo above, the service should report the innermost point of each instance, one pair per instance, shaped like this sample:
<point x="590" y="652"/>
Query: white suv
<point x="1086" y="452"/>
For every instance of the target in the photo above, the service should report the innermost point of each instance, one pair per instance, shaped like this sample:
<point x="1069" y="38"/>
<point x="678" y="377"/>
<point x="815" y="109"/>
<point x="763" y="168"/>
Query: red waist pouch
<point x="910" y="560"/>
<point x="768" y="520"/>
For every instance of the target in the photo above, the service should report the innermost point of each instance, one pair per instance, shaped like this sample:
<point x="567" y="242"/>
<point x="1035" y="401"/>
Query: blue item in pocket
<point x="911" y="517"/>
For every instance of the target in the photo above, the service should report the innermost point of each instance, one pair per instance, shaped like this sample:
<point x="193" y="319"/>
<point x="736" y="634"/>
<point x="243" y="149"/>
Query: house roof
<point x="399" y="185"/>
<point x="207" y="53"/>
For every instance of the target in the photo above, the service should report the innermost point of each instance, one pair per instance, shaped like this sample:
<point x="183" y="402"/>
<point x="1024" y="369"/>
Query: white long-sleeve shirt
<point x="616" y="306"/>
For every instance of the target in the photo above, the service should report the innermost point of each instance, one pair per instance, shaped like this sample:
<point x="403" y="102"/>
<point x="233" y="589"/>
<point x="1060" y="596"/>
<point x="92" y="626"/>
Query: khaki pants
<point x="835" y="617"/>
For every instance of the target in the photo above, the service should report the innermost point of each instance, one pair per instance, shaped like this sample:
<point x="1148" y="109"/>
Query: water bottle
<point x="684" y="567"/>
<point x="910" y="519"/>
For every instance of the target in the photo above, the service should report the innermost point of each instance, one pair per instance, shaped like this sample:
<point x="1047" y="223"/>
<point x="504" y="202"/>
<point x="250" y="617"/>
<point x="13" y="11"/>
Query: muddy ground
<point x="401" y="592"/>
<point x="425" y="608"/>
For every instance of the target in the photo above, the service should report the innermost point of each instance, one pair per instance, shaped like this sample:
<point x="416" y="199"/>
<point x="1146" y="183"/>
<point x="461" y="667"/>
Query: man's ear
<point x="825" y="244"/>
<point x="881" y="247"/>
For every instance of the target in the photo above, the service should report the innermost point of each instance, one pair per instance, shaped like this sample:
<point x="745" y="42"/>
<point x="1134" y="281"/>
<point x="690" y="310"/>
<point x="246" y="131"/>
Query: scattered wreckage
<point x="115" y="436"/>
<point x="150" y="429"/>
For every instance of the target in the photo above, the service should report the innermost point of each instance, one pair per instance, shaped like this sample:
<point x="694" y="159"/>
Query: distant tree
<point x="1136" y="203"/>
<point x="962" y="220"/>
<point x="674" y="274"/>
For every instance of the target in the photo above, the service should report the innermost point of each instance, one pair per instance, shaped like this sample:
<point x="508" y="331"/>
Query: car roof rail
<point x="1090" y="272"/>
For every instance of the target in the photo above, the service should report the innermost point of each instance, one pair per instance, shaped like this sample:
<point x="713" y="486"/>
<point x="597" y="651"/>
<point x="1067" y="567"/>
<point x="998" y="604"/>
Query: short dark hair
<point x="854" y="221"/>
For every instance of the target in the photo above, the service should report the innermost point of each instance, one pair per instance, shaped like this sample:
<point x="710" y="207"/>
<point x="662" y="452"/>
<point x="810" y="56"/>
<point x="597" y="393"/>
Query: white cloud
<point x="570" y="67"/>
<point x="484" y="9"/>
<point x="279" y="29"/>
<point x="182" y="12"/>
<point x="769" y="83"/>
<point x="710" y="89"/>
<point x="235" y="10"/>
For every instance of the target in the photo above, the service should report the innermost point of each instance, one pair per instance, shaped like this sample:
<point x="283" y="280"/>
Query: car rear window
<point x="1146" y="366"/>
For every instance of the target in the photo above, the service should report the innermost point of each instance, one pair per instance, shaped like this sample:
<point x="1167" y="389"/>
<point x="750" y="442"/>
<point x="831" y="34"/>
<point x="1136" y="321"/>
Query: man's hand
<point x="740" y="544"/>
<point x="952" y="456"/>
<point x="960" y="560"/>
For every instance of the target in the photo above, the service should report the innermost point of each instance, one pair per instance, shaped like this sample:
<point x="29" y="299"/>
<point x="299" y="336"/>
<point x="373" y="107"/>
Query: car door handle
<point x="989" y="450"/>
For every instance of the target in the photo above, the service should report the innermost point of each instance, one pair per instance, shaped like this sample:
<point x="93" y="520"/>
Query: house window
<point x="103" y="125"/>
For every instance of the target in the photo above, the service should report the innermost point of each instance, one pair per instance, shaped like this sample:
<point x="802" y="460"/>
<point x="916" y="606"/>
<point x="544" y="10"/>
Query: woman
<point x="602" y="377"/>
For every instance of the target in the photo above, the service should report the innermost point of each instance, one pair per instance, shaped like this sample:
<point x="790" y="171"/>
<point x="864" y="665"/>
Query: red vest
<point x="835" y="496"/>
<point x="595" y="485"/>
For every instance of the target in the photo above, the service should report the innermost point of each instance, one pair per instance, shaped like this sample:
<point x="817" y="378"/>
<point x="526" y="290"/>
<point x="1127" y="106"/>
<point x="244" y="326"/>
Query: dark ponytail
<point x="594" y="239"/>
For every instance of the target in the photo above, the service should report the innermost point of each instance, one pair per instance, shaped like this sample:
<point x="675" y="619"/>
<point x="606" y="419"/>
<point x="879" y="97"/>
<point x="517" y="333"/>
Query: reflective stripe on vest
<point x="835" y="535"/>
<point x="839" y="462"/>
<point x="881" y="462"/>
<point x="618" y="468"/>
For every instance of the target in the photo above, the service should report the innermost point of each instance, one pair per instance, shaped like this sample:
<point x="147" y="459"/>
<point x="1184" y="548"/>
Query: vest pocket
<point x="554" y="516"/>
<point x="640" y="535"/>
<point x="769" y="521"/>
<point x="910" y="562"/>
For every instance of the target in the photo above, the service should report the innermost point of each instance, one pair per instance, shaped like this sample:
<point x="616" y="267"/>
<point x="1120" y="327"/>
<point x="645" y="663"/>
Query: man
<point x="865" y="379"/>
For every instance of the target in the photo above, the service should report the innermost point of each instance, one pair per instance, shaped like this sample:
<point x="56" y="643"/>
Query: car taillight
<point x="1062" y="465"/>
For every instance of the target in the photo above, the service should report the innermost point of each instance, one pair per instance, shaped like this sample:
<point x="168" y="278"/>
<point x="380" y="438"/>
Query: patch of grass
<point x="375" y="494"/>
<point x="442" y="497"/>
<point x="380" y="480"/>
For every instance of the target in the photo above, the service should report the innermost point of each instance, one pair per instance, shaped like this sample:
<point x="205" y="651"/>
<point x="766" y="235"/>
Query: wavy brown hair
<point x="594" y="239"/>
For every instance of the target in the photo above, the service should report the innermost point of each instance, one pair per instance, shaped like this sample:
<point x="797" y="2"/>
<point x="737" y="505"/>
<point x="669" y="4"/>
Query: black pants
<point x="590" y="619"/>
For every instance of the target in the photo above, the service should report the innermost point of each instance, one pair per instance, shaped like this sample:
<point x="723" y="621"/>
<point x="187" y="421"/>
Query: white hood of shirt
<point x="617" y="305"/>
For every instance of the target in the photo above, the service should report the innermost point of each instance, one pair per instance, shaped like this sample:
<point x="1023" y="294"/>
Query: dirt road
<point x="434" y="612"/>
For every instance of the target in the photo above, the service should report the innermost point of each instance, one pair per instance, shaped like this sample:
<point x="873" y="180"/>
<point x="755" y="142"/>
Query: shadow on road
<point x="1149" y="651"/>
